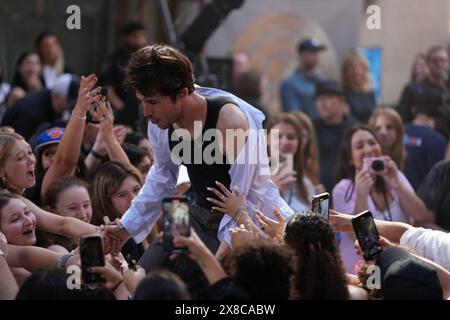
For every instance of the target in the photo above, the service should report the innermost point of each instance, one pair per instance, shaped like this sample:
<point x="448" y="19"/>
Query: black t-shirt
<point x="27" y="114"/>
<point x="361" y="104"/>
<point x="113" y="76"/>
<point x="201" y="173"/>
<point x="329" y="140"/>
<point x="435" y="192"/>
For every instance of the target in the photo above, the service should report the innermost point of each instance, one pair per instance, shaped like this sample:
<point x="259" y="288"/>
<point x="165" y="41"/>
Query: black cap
<point x="310" y="44"/>
<point x="328" y="88"/>
<point x="404" y="277"/>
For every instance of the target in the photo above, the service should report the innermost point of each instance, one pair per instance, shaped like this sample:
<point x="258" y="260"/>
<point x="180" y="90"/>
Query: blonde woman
<point x="357" y="86"/>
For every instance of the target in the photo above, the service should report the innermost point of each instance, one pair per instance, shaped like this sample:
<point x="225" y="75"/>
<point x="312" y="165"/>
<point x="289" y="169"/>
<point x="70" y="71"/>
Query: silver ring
<point x="222" y="197"/>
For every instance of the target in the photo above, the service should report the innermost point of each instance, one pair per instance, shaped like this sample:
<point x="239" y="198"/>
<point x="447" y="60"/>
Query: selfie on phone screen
<point x="367" y="235"/>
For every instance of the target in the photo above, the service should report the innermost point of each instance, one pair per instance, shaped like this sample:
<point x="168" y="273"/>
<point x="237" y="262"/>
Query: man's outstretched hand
<point x="114" y="236"/>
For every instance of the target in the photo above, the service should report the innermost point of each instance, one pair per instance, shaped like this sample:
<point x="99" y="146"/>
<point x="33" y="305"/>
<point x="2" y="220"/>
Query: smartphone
<point x="320" y="205"/>
<point x="97" y="109"/>
<point x="285" y="164"/>
<point x="367" y="235"/>
<point x="91" y="254"/>
<point x="176" y="221"/>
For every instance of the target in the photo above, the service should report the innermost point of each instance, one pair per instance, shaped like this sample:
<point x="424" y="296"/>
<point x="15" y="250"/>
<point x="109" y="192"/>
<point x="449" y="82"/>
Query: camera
<point x="374" y="165"/>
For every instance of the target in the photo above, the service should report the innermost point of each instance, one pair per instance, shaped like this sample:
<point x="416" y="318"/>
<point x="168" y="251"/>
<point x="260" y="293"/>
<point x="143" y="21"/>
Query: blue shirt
<point x="424" y="148"/>
<point x="298" y="93"/>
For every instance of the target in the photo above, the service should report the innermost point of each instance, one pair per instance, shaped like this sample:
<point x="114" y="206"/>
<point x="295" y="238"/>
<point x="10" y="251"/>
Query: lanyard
<point x="389" y="216"/>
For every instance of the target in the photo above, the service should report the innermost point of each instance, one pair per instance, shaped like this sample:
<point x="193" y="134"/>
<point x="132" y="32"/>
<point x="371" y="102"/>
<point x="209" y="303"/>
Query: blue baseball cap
<point x="49" y="136"/>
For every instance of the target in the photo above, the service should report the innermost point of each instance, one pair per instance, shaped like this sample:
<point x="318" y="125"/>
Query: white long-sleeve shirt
<point x="431" y="244"/>
<point x="249" y="172"/>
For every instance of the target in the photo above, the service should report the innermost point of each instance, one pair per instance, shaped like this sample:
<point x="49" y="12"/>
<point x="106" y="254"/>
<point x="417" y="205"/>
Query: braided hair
<point x="320" y="271"/>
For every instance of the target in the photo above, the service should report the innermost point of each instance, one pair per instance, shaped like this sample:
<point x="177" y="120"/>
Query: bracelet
<point x="80" y="117"/>
<point x="63" y="260"/>
<point x="238" y="210"/>
<point x="98" y="155"/>
<point x="239" y="213"/>
<point x="2" y="254"/>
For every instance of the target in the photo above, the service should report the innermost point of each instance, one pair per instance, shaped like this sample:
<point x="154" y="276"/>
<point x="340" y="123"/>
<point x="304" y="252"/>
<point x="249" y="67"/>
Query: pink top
<point x="343" y="189"/>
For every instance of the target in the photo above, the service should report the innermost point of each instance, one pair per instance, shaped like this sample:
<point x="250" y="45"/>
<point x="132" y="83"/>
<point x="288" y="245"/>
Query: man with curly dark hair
<point x="163" y="80"/>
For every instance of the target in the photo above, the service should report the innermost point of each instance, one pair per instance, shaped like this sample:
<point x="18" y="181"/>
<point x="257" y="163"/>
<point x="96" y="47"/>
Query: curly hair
<point x="263" y="270"/>
<point x="159" y="69"/>
<point x="320" y="271"/>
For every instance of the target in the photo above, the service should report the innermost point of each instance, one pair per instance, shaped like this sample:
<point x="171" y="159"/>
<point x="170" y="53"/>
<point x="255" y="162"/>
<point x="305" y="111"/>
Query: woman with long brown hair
<point x="115" y="185"/>
<point x="295" y="186"/>
<point x="382" y="188"/>
<point x="310" y="152"/>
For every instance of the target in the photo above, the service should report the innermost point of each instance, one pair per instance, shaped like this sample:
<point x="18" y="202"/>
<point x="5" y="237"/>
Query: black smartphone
<point x="367" y="235"/>
<point x="91" y="254"/>
<point x="320" y="205"/>
<point x="176" y="221"/>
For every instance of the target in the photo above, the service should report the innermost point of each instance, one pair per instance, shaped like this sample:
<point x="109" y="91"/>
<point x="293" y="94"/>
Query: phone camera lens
<point x="377" y="165"/>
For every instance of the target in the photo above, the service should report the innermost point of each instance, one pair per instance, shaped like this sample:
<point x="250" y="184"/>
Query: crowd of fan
<point x="67" y="169"/>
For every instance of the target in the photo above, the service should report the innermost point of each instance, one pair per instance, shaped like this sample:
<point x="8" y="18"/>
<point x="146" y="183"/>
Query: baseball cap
<point x="328" y="87"/>
<point x="404" y="277"/>
<point x="49" y="136"/>
<point x="310" y="44"/>
<point x="67" y="86"/>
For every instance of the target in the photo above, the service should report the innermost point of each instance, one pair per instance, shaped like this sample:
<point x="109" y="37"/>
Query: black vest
<point x="201" y="174"/>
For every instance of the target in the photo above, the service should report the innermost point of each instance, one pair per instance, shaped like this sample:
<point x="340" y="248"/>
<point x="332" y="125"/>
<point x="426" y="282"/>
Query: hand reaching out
<point x="341" y="222"/>
<point x="242" y="236"/>
<point x="115" y="235"/>
<point x="230" y="203"/>
<point x="196" y="248"/>
<point x="272" y="228"/>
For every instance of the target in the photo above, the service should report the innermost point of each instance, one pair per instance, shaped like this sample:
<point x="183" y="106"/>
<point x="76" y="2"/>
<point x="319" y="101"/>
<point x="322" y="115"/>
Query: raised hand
<point x="284" y="179"/>
<point x="86" y="95"/>
<point x="364" y="183"/>
<point x="242" y="236"/>
<point x="273" y="228"/>
<point x="230" y="203"/>
<point x="196" y="248"/>
<point x="391" y="175"/>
